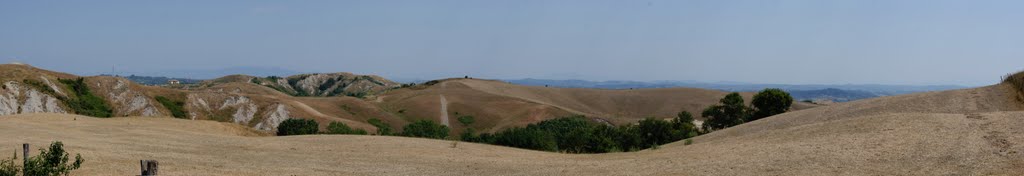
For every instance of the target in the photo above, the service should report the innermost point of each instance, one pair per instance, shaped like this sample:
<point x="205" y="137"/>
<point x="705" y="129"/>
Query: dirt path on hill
<point x="312" y="111"/>
<point x="444" y="111"/>
<point x="444" y="106"/>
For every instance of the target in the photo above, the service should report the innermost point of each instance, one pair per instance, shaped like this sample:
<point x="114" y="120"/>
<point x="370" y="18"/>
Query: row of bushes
<point x="578" y="134"/>
<point x="422" y="128"/>
<point x="308" y="126"/>
<point x="732" y="111"/>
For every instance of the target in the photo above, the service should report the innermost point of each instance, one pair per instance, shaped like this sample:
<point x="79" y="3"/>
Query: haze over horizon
<point x="784" y="42"/>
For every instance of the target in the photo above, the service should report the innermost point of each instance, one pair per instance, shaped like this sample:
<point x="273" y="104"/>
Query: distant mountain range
<point x="833" y="92"/>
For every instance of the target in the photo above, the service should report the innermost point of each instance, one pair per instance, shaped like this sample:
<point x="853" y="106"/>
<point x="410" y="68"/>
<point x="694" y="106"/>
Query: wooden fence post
<point x="24" y="156"/>
<point x="149" y="167"/>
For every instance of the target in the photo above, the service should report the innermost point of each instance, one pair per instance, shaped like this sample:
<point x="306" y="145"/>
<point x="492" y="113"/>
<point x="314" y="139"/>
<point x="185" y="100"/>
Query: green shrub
<point x="357" y="94"/>
<point x="655" y="131"/>
<point x="8" y="168"/>
<point x="603" y="139"/>
<point x="688" y="142"/>
<point x="571" y="134"/>
<point x="327" y="85"/>
<point x="466" y="120"/>
<point x="382" y="127"/>
<point x="730" y="112"/>
<point x="84" y="102"/>
<point x="297" y="127"/>
<point x="683" y="124"/>
<point x="468" y="135"/>
<point x="770" y="102"/>
<point x="527" y="138"/>
<point x="425" y="129"/>
<point x="39" y="85"/>
<point x="341" y="128"/>
<point x="177" y="108"/>
<point x="53" y="162"/>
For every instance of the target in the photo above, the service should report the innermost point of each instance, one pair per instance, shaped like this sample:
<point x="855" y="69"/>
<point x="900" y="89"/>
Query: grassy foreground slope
<point x="960" y="132"/>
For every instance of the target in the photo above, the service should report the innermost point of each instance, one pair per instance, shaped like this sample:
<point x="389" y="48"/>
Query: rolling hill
<point x="959" y="132"/>
<point x="264" y="102"/>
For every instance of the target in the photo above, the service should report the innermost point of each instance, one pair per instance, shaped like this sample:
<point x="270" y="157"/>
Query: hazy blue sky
<point x="760" y="41"/>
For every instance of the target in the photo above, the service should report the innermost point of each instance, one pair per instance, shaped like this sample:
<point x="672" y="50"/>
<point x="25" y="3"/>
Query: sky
<point x="903" y="42"/>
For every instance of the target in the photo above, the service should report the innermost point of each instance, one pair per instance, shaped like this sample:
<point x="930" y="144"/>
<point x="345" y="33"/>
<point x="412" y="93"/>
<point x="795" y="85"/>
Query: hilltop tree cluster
<point x="732" y="111"/>
<point x="578" y="134"/>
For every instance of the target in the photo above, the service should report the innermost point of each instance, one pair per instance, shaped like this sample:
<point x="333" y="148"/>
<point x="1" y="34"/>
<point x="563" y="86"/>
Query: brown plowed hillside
<point x="502" y="104"/>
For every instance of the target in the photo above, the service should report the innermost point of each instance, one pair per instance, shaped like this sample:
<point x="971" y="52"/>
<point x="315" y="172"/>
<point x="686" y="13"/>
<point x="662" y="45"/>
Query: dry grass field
<point x="960" y="132"/>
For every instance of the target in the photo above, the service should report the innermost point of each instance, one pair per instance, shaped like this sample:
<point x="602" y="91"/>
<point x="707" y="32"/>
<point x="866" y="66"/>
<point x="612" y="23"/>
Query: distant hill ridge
<point x="315" y="84"/>
<point x="837" y="93"/>
<point x="264" y="102"/>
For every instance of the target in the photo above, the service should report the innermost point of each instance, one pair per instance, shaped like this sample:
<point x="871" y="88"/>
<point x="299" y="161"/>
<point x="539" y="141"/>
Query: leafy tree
<point x="603" y="139"/>
<point x="52" y="162"/>
<point x="683" y="124"/>
<point x="526" y="138"/>
<point x="383" y="128"/>
<point x="730" y="112"/>
<point x="630" y="138"/>
<point x="327" y="85"/>
<point x="341" y="128"/>
<point x="770" y="102"/>
<point x="657" y="132"/>
<point x="570" y="133"/>
<point x="425" y="129"/>
<point x="466" y="120"/>
<point x="297" y="127"/>
<point x="468" y="135"/>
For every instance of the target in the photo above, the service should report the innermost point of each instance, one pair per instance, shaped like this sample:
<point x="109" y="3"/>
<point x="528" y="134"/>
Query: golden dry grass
<point x="960" y="132"/>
